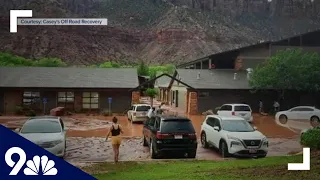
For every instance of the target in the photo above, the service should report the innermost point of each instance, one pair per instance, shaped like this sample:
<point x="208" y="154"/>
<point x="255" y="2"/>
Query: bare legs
<point x="116" y="152"/>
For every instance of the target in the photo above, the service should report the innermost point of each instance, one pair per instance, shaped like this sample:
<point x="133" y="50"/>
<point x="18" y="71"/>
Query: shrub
<point x="30" y="113"/>
<point x="311" y="138"/>
<point x="19" y="110"/>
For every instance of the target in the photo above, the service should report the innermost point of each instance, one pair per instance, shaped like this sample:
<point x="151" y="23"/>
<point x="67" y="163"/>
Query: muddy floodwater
<point x="88" y="150"/>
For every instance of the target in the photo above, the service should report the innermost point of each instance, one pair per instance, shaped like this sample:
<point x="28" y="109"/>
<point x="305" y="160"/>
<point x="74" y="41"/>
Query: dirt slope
<point x="156" y="31"/>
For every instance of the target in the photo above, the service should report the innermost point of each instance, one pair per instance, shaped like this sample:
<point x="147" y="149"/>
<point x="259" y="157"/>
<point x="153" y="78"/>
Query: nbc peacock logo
<point x="47" y="166"/>
<point x="36" y="166"/>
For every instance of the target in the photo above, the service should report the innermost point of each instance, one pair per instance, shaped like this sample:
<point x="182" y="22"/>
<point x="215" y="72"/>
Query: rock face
<point x="157" y="31"/>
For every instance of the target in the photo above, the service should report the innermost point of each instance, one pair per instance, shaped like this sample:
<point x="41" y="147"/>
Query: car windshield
<point x="170" y="126"/>
<point x="41" y="126"/>
<point x="237" y="126"/>
<point x="242" y="108"/>
<point x="143" y="108"/>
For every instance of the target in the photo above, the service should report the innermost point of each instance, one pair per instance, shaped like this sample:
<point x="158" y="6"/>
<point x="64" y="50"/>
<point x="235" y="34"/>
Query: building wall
<point x="121" y="99"/>
<point x="181" y="96"/>
<point x="11" y="100"/>
<point x="1" y="102"/>
<point x="255" y="51"/>
<point x="275" y="48"/>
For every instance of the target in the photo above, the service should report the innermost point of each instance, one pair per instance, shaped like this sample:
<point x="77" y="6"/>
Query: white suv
<point x="241" y="110"/>
<point x="233" y="135"/>
<point x="138" y="112"/>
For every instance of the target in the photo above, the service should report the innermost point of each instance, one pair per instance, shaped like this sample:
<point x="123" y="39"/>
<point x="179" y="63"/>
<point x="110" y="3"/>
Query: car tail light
<point x="161" y="136"/>
<point x="233" y="113"/>
<point x="134" y="113"/>
<point x="192" y="136"/>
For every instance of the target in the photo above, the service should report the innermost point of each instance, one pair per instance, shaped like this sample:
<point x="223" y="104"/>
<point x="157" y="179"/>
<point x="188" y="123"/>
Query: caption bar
<point x="62" y="21"/>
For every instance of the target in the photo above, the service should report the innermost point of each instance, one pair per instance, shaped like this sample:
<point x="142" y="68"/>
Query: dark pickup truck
<point x="170" y="134"/>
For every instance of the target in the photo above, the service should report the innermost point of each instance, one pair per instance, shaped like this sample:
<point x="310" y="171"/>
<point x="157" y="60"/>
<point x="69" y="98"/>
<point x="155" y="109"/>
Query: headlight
<point x="237" y="143"/>
<point x="233" y="138"/>
<point x="265" y="141"/>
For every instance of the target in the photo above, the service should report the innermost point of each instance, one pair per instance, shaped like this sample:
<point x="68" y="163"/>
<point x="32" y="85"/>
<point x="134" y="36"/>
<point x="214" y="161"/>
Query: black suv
<point x="170" y="134"/>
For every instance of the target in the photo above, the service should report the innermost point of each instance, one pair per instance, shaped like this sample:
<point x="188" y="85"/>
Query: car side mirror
<point x="216" y="128"/>
<point x="255" y="128"/>
<point x="17" y="130"/>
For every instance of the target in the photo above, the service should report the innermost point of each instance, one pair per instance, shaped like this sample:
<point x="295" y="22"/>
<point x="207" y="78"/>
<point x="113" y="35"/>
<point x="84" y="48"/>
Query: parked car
<point x="49" y="134"/>
<point x="233" y="135"/>
<point x="300" y="117"/>
<point x="138" y="112"/>
<point x="170" y="134"/>
<point x="241" y="110"/>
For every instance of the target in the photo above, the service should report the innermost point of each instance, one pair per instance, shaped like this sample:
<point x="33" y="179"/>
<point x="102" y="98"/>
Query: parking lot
<point x="86" y="142"/>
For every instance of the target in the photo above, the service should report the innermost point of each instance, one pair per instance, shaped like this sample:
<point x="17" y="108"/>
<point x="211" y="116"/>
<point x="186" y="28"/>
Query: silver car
<point x="49" y="134"/>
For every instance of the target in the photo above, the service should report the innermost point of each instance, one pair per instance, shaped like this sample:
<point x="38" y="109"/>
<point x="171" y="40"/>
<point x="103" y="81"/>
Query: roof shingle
<point x="68" y="77"/>
<point x="214" y="79"/>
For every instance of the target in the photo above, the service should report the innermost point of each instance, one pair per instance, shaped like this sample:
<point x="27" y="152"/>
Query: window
<point x="226" y="108"/>
<point x="217" y="123"/>
<point x="210" y="122"/>
<point x="31" y="98"/>
<point x="66" y="97"/>
<point x="177" y="125"/>
<point x="143" y="108"/>
<point x="90" y="100"/>
<point x="242" y="108"/>
<point x="302" y="109"/>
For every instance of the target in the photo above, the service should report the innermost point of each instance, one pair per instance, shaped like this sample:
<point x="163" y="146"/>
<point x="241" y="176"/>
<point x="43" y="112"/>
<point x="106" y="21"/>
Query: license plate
<point x="178" y="136"/>
<point x="252" y="151"/>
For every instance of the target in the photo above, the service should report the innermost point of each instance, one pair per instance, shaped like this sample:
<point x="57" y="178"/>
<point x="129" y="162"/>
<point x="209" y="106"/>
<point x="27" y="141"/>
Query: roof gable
<point x="68" y="77"/>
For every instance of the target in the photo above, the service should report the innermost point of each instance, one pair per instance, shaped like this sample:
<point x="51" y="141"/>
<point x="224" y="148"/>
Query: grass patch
<point x="266" y="168"/>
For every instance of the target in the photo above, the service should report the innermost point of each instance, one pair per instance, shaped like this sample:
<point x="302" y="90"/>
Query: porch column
<point x="193" y="103"/>
<point x="135" y="98"/>
<point x="210" y="62"/>
<point x="201" y="64"/>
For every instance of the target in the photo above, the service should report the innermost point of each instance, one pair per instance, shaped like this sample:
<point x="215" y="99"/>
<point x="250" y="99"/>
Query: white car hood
<point x="42" y="137"/>
<point x="246" y="135"/>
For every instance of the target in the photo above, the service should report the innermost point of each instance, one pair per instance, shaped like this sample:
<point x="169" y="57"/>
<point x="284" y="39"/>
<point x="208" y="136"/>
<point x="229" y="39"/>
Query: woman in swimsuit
<point x="115" y="132"/>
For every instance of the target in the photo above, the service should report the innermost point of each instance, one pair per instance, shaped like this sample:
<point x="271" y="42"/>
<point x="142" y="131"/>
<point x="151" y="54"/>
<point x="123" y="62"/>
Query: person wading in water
<point x="115" y="132"/>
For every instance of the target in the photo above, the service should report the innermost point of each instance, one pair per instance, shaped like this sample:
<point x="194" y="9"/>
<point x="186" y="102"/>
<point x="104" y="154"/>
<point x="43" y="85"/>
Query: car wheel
<point x="283" y="119"/>
<point x="152" y="151"/>
<point x="314" y="121"/>
<point x="224" y="149"/>
<point x="145" y="141"/>
<point x="204" y="142"/>
<point x="192" y="154"/>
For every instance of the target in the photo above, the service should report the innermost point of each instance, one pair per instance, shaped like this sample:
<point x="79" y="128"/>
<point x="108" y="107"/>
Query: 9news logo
<point x="33" y="166"/>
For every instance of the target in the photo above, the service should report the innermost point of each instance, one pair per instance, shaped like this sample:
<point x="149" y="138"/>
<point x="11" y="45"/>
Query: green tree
<point x="7" y="59"/>
<point x="289" y="69"/>
<point x="49" y="62"/>
<point x="151" y="93"/>
<point x="143" y="69"/>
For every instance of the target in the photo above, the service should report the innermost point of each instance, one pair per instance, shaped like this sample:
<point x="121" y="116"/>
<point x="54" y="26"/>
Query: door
<point x="177" y="99"/>
<point x="215" y="133"/>
<point x="225" y="110"/>
<point x="304" y="113"/>
<point x="51" y="97"/>
<point x="148" y="129"/>
<point x="209" y="130"/>
<point x="295" y="113"/>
